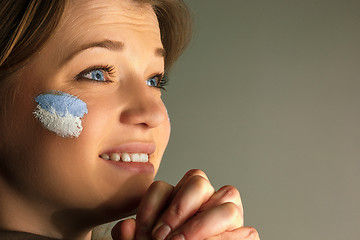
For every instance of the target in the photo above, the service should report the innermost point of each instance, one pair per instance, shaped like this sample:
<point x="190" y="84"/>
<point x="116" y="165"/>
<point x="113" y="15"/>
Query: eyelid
<point x="162" y="80"/>
<point x="109" y="71"/>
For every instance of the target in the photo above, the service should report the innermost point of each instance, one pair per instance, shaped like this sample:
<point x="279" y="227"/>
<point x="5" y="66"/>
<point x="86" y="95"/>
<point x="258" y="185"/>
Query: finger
<point x="124" y="230"/>
<point x="224" y="217"/>
<point x="223" y="195"/>
<point x="194" y="192"/>
<point x="243" y="233"/>
<point x="155" y="200"/>
<point x="189" y="174"/>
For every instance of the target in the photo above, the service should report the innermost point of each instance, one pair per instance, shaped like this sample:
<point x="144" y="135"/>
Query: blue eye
<point x="158" y="81"/>
<point x="152" y="82"/>
<point x="96" y="75"/>
<point x="100" y="73"/>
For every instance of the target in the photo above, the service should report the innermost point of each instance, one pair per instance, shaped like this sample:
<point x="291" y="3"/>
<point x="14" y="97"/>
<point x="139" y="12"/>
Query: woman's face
<point x="106" y="53"/>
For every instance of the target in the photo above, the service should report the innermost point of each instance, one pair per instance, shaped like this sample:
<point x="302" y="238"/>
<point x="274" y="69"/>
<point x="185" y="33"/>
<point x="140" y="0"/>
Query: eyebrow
<point x="160" y="52"/>
<point x="110" y="45"/>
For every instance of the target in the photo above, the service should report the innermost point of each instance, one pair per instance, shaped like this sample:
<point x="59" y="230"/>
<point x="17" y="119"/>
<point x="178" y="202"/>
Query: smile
<point x="126" y="157"/>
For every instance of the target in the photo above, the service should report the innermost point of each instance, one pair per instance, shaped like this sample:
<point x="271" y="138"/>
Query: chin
<point x="108" y="211"/>
<point x="124" y="203"/>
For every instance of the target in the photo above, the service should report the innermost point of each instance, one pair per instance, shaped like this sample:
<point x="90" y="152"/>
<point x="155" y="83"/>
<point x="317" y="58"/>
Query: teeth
<point x="135" y="157"/>
<point x="126" y="157"/>
<point x="115" y="157"/>
<point x="144" y="157"/>
<point x="105" y="156"/>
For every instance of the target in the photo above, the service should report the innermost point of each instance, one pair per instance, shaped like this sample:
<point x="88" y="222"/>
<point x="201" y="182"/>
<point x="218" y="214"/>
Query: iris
<point x="152" y="82"/>
<point x="96" y="75"/>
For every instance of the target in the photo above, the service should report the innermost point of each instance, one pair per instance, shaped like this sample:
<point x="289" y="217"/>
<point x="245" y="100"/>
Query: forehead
<point x="86" y="21"/>
<point x="100" y="13"/>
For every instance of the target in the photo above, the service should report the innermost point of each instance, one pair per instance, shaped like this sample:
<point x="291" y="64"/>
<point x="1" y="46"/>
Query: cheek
<point x="163" y="131"/>
<point x="60" y="113"/>
<point x="101" y="120"/>
<point x="162" y="135"/>
<point x="167" y="130"/>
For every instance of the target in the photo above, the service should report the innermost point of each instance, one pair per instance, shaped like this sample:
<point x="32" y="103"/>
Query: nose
<point x="144" y="106"/>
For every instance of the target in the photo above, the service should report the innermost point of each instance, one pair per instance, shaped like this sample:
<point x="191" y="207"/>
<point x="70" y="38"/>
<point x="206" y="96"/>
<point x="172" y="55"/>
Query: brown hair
<point x="175" y="27"/>
<point x="25" y="26"/>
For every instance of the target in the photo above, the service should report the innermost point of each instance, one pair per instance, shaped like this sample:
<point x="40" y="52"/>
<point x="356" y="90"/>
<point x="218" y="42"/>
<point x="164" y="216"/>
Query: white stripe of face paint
<point x="60" y="113"/>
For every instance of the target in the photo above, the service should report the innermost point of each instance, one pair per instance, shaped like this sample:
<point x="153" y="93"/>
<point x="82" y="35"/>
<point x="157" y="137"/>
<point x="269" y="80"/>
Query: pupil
<point x="151" y="82"/>
<point x="97" y="75"/>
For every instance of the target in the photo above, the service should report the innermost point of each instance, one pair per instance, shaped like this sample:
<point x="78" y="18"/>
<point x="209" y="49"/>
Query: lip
<point x="134" y="147"/>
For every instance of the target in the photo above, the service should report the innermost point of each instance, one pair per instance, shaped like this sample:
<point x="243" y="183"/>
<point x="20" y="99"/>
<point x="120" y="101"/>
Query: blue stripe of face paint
<point x="62" y="103"/>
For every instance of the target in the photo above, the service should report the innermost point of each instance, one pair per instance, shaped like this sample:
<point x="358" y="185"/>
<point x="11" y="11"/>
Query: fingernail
<point x="162" y="232"/>
<point x="178" y="237"/>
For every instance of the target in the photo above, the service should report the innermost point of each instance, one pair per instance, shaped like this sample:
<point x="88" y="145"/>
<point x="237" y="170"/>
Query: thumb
<point x="124" y="230"/>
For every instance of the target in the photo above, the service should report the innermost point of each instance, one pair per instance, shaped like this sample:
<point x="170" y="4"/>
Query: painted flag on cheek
<point x="61" y="113"/>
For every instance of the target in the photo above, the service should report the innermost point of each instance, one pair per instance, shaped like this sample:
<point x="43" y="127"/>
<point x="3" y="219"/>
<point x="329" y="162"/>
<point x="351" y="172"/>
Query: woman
<point x="84" y="127"/>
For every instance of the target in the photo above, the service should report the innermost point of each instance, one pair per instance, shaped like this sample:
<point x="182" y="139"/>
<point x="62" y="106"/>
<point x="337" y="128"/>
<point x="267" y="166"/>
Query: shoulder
<point x="12" y="235"/>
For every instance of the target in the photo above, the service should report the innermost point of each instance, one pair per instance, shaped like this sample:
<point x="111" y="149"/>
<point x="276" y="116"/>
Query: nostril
<point x="144" y="116"/>
<point x="142" y="107"/>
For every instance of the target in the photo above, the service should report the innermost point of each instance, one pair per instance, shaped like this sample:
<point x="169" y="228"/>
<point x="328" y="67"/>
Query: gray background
<point x="267" y="99"/>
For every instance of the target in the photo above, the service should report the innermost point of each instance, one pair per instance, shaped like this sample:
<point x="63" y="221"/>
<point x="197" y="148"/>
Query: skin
<point x="59" y="187"/>
<point x="64" y="178"/>
<point x="191" y="209"/>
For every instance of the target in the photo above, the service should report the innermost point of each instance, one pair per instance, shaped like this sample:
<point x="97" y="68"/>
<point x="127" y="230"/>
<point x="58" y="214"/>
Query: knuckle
<point x="254" y="234"/>
<point x="195" y="226"/>
<point x="202" y="185"/>
<point x="159" y="184"/>
<point x="157" y="194"/>
<point x="177" y="211"/>
<point x="232" y="210"/>
<point x="230" y="192"/>
<point x="194" y="172"/>
<point x="196" y="229"/>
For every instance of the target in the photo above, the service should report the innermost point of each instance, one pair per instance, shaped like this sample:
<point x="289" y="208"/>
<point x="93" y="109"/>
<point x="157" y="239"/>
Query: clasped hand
<point x="191" y="210"/>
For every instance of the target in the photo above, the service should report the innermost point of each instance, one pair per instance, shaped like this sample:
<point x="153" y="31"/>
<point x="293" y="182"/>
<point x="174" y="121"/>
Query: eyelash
<point x="108" y="69"/>
<point x="161" y="78"/>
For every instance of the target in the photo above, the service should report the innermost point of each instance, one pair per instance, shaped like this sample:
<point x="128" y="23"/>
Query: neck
<point x="26" y="216"/>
